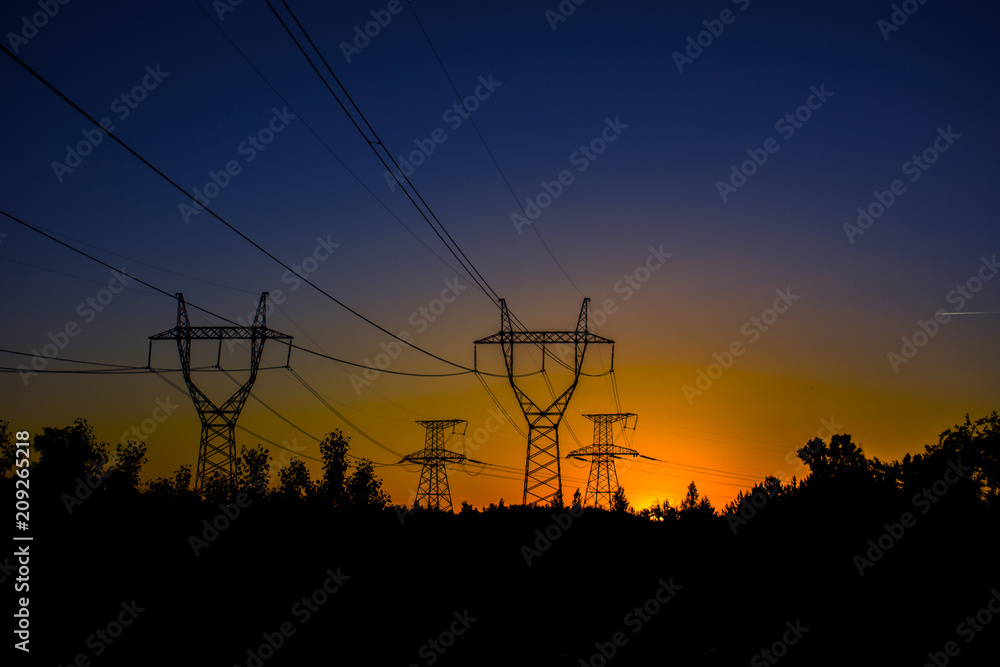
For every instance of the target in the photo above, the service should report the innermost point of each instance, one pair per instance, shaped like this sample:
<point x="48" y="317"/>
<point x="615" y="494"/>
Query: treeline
<point x="72" y="465"/>
<point x="964" y="464"/>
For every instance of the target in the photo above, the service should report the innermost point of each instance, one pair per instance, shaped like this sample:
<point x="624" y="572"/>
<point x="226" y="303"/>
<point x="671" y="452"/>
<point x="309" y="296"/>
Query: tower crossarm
<point x="220" y="333"/>
<point x="543" y="338"/>
<point x="434" y="456"/>
<point x="602" y="450"/>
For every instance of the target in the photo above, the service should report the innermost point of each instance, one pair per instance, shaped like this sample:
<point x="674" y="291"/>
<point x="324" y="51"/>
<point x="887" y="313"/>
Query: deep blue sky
<point x="655" y="185"/>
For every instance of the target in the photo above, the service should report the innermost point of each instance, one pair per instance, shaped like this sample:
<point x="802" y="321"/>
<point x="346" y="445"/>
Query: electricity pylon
<point x="602" y="485"/>
<point x="433" y="491"/>
<point x="217" y="450"/>
<point x="542" y="474"/>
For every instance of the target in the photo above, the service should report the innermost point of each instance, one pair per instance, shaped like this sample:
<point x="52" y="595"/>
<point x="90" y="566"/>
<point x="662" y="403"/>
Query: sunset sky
<point x="703" y="190"/>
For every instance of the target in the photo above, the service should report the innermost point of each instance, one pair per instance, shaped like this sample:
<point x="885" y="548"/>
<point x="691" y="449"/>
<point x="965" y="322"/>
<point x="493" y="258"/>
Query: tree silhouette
<point x="577" y="500"/>
<point x="976" y="444"/>
<point x="768" y="490"/>
<point x="694" y="506"/>
<point x="364" y="489"/>
<point x="7" y="448"/>
<point x="495" y="507"/>
<point x="254" y="471"/>
<point x="172" y="489"/>
<point x="68" y="455"/>
<point x="619" y="503"/>
<point x="123" y="475"/>
<point x="840" y="461"/>
<point x="333" y="451"/>
<point x="663" y="512"/>
<point x="293" y="481"/>
<point x="217" y="488"/>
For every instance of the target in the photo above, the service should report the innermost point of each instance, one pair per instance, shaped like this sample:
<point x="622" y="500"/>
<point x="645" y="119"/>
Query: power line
<point x="152" y="266"/>
<point x="496" y="164"/>
<point x="75" y="361"/>
<point x="215" y="215"/>
<point x="320" y="139"/>
<point x="426" y="212"/>
<point x="286" y="420"/>
<point x="464" y="369"/>
<point x="272" y="410"/>
<point x="70" y="275"/>
<point x="339" y="414"/>
<point x="38" y="230"/>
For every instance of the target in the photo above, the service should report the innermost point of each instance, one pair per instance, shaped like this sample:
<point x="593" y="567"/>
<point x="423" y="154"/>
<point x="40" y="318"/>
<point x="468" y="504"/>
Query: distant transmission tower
<point x="433" y="491"/>
<point x="217" y="451"/>
<point x="602" y="485"/>
<point x="542" y="475"/>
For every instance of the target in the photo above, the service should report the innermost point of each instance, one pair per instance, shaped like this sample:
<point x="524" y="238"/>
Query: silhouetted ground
<point x="407" y="583"/>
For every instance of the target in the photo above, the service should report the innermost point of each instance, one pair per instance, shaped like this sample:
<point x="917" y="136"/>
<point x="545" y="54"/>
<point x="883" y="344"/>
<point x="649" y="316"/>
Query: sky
<point x="782" y="213"/>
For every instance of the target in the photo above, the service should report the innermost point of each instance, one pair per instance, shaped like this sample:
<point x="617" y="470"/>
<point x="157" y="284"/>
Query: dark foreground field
<point x="644" y="593"/>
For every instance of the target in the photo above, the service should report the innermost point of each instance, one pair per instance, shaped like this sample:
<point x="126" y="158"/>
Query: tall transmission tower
<point x="433" y="491"/>
<point x="542" y="474"/>
<point x="217" y="450"/>
<point x="602" y="485"/>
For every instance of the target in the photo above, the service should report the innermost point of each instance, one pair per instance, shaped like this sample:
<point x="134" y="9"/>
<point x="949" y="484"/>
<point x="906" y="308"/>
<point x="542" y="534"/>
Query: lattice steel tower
<point x="602" y="485"/>
<point x="433" y="491"/>
<point x="542" y="474"/>
<point x="217" y="450"/>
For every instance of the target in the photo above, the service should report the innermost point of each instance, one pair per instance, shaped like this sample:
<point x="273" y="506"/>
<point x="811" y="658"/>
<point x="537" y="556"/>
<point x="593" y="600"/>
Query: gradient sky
<point x="821" y="365"/>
